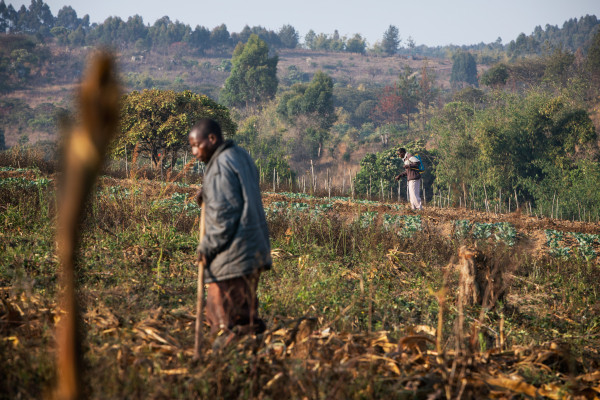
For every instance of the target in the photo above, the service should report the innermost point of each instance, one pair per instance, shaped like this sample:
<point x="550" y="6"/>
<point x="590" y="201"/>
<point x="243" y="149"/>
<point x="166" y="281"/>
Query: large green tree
<point x="67" y="18"/>
<point x="593" y="58"/>
<point x="464" y="69"/>
<point x="401" y="99"/>
<point x="408" y="89"/>
<point x="391" y="40"/>
<point x="558" y="66"/>
<point x="356" y="44"/>
<point x="253" y="76"/>
<point x="309" y="39"/>
<point x="459" y="163"/>
<point x="496" y="76"/>
<point x="288" y="36"/>
<point x="158" y="121"/>
<point x="313" y="101"/>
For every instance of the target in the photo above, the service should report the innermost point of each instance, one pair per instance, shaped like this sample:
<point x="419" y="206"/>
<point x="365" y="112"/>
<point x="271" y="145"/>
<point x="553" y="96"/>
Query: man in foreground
<point x="235" y="247"/>
<point x="413" y="175"/>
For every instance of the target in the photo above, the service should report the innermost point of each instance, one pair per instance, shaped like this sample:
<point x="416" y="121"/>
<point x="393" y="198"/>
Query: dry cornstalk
<point x="84" y="155"/>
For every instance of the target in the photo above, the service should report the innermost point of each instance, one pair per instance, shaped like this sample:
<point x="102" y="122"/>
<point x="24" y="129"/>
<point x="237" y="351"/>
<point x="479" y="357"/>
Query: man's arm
<point x="224" y="203"/>
<point x="403" y="173"/>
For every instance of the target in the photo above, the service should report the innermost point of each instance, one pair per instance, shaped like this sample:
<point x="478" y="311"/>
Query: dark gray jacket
<point x="236" y="240"/>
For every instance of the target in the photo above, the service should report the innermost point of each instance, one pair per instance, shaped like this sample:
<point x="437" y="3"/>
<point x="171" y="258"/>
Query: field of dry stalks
<point x="363" y="300"/>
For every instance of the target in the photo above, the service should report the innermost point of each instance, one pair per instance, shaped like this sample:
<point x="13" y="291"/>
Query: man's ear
<point x="212" y="138"/>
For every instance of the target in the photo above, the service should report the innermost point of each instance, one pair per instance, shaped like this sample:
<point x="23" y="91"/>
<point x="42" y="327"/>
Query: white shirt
<point x="412" y="159"/>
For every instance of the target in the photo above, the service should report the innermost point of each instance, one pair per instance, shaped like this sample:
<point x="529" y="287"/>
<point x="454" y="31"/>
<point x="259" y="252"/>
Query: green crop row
<point x="19" y="182"/>
<point x="501" y="231"/>
<point x="177" y="203"/>
<point x="557" y="248"/>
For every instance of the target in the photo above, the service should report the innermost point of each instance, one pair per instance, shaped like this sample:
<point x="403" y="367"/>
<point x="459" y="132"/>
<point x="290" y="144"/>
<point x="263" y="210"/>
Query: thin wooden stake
<point x="199" y="338"/>
<point x="312" y="174"/>
<point x="500" y="201"/>
<point x="487" y="207"/>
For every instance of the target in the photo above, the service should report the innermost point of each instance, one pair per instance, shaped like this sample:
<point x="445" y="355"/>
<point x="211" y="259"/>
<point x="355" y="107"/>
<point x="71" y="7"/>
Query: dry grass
<point x="356" y="69"/>
<point x="352" y="312"/>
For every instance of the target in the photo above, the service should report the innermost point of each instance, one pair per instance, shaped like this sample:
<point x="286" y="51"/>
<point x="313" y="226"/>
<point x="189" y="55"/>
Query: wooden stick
<point x="312" y="176"/>
<point x="500" y="201"/>
<point x="200" y="300"/>
<point x="487" y="208"/>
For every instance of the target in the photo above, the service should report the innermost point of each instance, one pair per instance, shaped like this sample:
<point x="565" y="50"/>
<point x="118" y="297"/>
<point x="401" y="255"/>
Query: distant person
<point x="413" y="175"/>
<point x="235" y="248"/>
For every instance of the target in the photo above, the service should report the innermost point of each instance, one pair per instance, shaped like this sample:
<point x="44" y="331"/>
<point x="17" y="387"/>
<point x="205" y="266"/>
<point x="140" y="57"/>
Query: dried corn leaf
<point x="273" y="380"/>
<point x="101" y="317"/>
<point x="513" y="384"/>
<point x="175" y="371"/>
<point x="149" y="333"/>
<point x="552" y="391"/>
<point x="384" y="342"/>
<point x="591" y="377"/>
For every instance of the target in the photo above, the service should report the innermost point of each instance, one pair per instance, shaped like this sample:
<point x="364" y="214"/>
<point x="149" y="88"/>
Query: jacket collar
<point x="224" y="146"/>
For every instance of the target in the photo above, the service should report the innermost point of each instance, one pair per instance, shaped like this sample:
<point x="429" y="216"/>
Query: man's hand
<point x="198" y="197"/>
<point x="201" y="258"/>
<point x="397" y="177"/>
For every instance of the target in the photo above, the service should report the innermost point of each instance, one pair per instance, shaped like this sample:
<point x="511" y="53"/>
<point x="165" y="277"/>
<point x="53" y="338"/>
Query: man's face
<point x="401" y="154"/>
<point x="203" y="148"/>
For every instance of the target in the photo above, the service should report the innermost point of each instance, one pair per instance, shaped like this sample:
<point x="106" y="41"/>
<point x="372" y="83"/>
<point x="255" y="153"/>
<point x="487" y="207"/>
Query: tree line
<point x="70" y="29"/>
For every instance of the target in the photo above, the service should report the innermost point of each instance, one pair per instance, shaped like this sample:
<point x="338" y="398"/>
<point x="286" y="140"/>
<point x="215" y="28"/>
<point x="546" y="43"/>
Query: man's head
<point x="205" y="136"/>
<point x="401" y="152"/>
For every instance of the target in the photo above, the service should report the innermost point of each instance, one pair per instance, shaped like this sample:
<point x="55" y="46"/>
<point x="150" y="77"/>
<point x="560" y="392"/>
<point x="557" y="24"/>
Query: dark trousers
<point x="232" y="305"/>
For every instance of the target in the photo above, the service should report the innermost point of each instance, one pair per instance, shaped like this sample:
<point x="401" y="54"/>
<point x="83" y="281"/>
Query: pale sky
<point x="430" y="22"/>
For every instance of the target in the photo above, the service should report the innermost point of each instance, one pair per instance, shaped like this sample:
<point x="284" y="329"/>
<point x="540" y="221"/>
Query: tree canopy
<point x="535" y="145"/>
<point x="253" y="76"/>
<point x="160" y="120"/>
<point x="288" y="36"/>
<point x="313" y="100"/>
<point x="398" y="102"/>
<point x="495" y="76"/>
<point x="593" y="60"/>
<point x="357" y="44"/>
<point x="391" y="40"/>
<point x="464" y="69"/>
